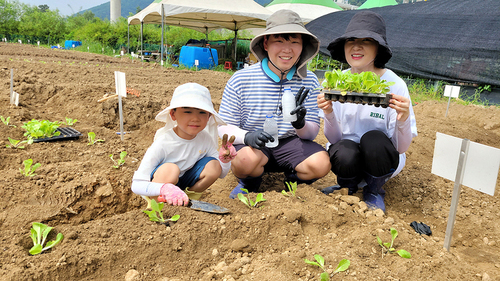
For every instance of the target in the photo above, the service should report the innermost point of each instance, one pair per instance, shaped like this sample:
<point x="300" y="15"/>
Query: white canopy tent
<point x="308" y="10"/>
<point x="203" y="15"/>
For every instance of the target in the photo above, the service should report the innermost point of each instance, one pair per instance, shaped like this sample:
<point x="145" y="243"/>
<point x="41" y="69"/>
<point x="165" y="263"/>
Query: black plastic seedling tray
<point x="67" y="133"/>
<point x="359" y="98"/>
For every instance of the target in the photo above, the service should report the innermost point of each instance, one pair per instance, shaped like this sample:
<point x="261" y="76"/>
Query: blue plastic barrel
<point x="207" y="57"/>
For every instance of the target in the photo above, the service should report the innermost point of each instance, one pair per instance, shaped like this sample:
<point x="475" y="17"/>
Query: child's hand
<point x="227" y="152"/>
<point x="173" y="195"/>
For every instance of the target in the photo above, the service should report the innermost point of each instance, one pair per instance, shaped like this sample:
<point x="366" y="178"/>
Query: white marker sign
<point x="467" y="163"/>
<point x="121" y="91"/>
<point x="481" y="163"/>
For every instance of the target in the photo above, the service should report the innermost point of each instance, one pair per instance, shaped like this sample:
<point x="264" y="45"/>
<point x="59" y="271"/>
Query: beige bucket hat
<point x="287" y="21"/>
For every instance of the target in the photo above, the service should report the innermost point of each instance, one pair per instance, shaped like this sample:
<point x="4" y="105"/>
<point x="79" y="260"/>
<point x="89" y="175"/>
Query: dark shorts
<point x="192" y="175"/>
<point x="288" y="154"/>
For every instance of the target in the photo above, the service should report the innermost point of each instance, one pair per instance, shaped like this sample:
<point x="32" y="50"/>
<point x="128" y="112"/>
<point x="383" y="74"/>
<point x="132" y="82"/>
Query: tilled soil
<point x="108" y="237"/>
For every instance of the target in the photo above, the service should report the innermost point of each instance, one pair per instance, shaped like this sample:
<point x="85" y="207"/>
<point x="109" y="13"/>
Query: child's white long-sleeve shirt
<point x="170" y="148"/>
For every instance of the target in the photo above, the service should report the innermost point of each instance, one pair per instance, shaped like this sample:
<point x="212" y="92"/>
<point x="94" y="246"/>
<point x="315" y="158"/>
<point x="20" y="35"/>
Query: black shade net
<point x="450" y="40"/>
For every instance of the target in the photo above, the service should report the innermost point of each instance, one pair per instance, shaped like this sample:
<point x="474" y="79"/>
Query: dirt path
<point x="108" y="237"/>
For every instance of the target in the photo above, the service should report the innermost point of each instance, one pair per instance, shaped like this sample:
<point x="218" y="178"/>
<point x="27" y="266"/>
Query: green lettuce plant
<point x="365" y="82"/>
<point x="6" y="121"/>
<point x="292" y="190"/>
<point x="92" y="140"/>
<point x="320" y="262"/>
<point x="156" y="214"/>
<point x="70" y="122"/>
<point x="41" y="129"/>
<point x="29" y="170"/>
<point x="388" y="249"/>
<point x="17" y="143"/>
<point x="120" y="161"/>
<point x="247" y="201"/>
<point x="39" y="233"/>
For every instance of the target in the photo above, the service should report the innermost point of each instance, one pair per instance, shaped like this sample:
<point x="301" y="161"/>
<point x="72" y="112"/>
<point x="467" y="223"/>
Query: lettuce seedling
<point x="247" y="201"/>
<point x="387" y="247"/>
<point x="41" y="129"/>
<point x="320" y="262"/>
<point x="29" y="171"/>
<point x="119" y="162"/>
<point x="6" y="121"/>
<point x="39" y="233"/>
<point x="365" y="82"/>
<point x="292" y="188"/>
<point x="17" y="143"/>
<point x="92" y="139"/>
<point x="70" y="122"/>
<point x="156" y="211"/>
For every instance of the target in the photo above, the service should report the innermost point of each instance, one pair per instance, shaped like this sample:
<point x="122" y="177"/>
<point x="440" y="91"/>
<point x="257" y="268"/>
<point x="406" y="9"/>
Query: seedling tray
<point x="67" y="133"/>
<point x="358" y="98"/>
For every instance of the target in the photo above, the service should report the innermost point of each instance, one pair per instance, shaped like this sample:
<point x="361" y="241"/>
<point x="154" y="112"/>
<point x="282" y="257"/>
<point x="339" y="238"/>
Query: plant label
<point x="451" y="91"/>
<point x="16" y="99"/>
<point x="121" y="87"/>
<point x="38" y="43"/>
<point x="481" y="163"/>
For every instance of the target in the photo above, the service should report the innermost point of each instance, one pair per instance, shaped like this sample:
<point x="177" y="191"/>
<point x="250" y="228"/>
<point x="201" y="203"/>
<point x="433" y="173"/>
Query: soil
<point x="108" y="237"/>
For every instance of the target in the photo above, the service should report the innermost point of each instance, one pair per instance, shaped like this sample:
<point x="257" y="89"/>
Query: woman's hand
<point x="401" y="105"/>
<point x="323" y="104"/>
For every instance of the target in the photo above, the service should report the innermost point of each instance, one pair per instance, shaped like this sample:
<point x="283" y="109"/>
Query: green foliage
<point x="292" y="190"/>
<point x="39" y="233"/>
<point x="156" y="214"/>
<point x="29" y="170"/>
<point x="322" y="62"/>
<point x="17" y="143"/>
<point x="422" y="90"/>
<point x="247" y="201"/>
<point x="70" y="122"/>
<point x="41" y="129"/>
<point x="119" y="162"/>
<point x="388" y="247"/>
<point x="320" y="262"/>
<point x="92" y="140"/>
<point x="365" y="82"/>
<point x="6" y="121"/>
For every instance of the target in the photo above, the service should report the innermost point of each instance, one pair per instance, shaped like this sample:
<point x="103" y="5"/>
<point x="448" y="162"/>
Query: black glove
<point x="300" y="110"/>
<point x="257" y="139"/>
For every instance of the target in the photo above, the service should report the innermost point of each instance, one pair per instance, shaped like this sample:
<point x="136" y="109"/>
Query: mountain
<point x="131" y="6"/>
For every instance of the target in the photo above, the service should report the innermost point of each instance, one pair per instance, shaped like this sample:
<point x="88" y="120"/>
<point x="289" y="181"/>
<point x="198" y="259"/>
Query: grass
<point x="423" y="90"/>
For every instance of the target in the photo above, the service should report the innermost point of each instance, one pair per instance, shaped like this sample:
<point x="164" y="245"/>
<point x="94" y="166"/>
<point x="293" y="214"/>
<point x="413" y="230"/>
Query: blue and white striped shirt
<point x="250" y="94"/>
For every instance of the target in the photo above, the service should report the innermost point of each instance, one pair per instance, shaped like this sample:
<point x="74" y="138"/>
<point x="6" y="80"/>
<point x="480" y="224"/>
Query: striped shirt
<point x="251" y="94"/>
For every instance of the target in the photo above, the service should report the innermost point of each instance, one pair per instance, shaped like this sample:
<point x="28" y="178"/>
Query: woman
<point x="367" y="142"/>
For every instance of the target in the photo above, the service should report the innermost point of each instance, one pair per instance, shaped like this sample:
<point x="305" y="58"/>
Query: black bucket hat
<point x="287" y="21"/>
<point x="365" y="24"/>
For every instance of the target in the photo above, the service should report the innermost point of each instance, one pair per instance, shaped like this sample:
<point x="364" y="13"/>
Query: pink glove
<point x="173" y="195"/>
<point x="227" y="152"/>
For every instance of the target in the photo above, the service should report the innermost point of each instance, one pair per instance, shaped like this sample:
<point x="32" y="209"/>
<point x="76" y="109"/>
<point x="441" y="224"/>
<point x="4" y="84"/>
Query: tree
<point x="43" y="8"/>
<point x="10" y="12"/>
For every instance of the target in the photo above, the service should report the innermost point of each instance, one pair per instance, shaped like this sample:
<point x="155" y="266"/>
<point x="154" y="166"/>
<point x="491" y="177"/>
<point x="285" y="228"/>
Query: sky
<point x="63" y="7"/>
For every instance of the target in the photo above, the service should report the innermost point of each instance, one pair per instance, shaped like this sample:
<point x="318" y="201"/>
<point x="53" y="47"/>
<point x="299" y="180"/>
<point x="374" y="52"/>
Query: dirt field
<point x="108" y="237"/>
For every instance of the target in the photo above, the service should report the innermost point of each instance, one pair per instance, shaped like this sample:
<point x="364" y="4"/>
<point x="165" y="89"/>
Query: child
<point x="184" y="153"/>
<point x="368" y="143"/>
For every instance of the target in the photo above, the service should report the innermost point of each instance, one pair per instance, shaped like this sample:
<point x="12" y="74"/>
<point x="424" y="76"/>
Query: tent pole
<point x="235" y="43"/>
<point x="142" y="51"/>
<point x="162" y="34"/>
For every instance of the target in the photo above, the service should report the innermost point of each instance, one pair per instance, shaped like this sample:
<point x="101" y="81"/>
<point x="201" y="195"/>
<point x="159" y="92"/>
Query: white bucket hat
<point x="190" y="95"/>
